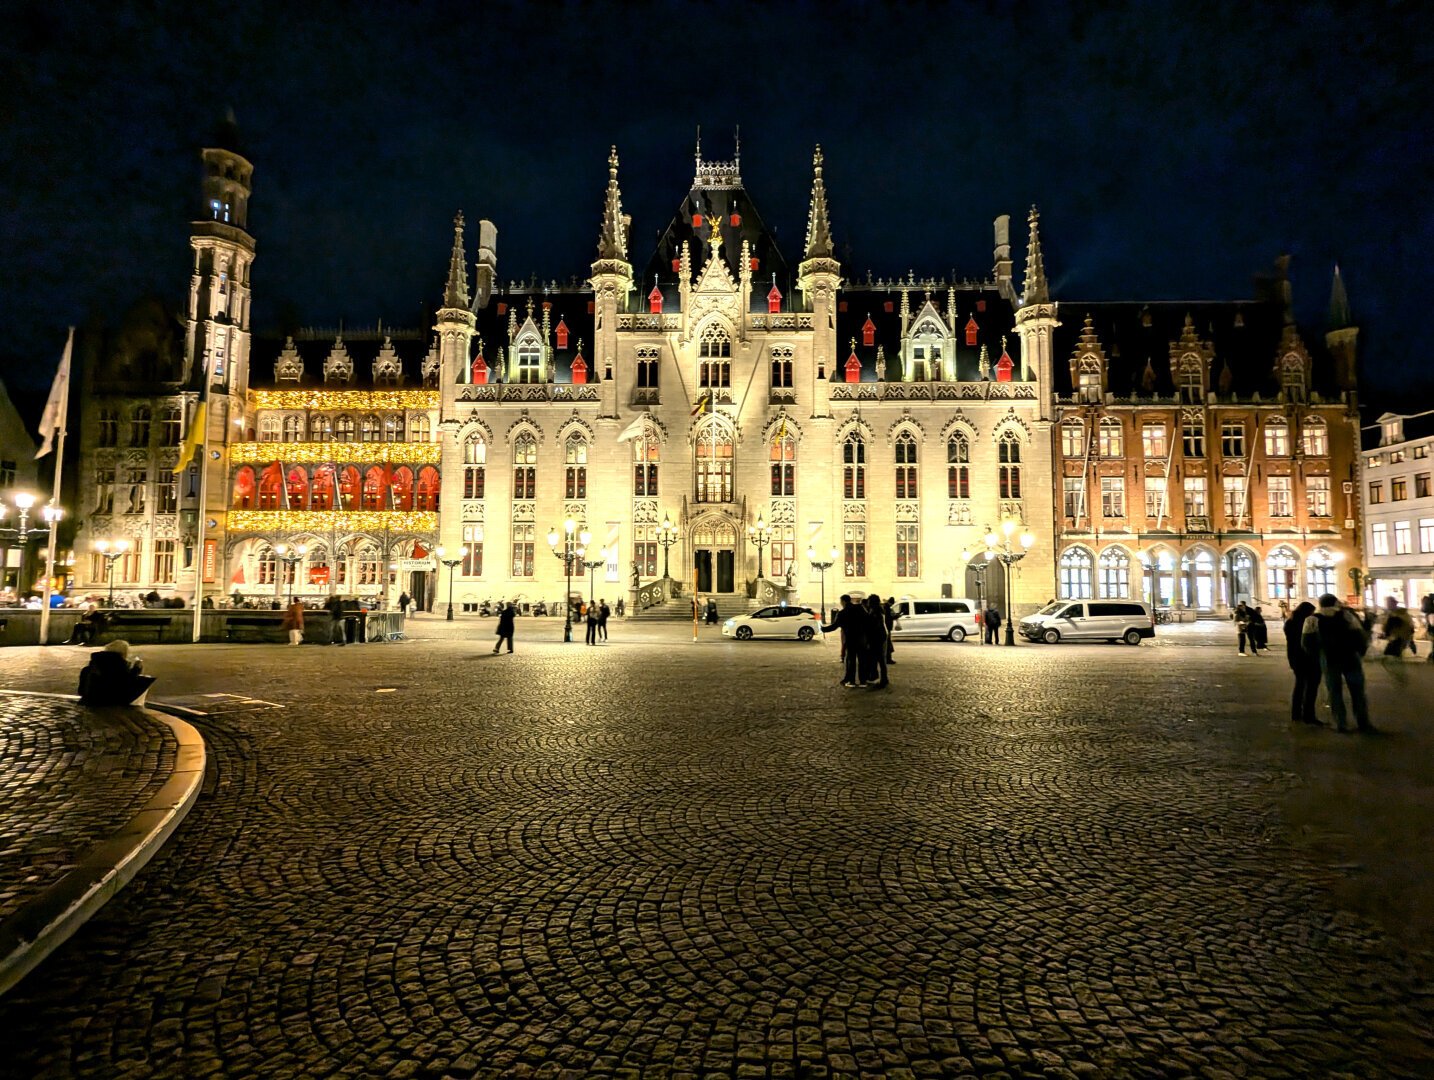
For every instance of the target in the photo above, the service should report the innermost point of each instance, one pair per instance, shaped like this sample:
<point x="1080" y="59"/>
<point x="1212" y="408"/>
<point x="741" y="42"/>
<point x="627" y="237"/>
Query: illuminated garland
<point x="262" y="453"/>
<point x="345" y="399"/>
<point x="319" y="521"/>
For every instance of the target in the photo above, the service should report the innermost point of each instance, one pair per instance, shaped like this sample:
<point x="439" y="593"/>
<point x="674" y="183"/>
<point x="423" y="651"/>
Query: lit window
<point x="1075" y="568"/>
<point x="1112" y="496"/>
<point x="1152" y="440"/>
<point x="1403" y="544"/>
<point x="854" y="550"/>
<point x="1277" y="439"/>
<point x="1111" y="439"/>
<point x="905" y="469"/>
<point x="1316" y="438"/>
<point x="853" y="455"/>
<point x="1073" y="439"/>
<point x="1317" y="496"/>
<point x="1278" y="493"/>
<point x="1379" y="539"/>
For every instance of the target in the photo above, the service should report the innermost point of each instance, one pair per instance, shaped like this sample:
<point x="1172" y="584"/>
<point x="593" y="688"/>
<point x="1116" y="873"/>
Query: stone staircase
<point x="680" y="609"/>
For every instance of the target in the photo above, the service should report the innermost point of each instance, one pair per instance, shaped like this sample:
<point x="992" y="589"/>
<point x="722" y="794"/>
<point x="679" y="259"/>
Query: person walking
<point x="604" y="613"/>
<point x="851" y="621"/>
<point x="1336" y="636"/>
<point x="590" y="614"/>
<point x="888" y="618"/>
<point x="294" y="622"/>
<point x="1258" y="632"/>
<point x="506" y="615"/>
<point x="1398" y="630"/>
<point x="992" y="621"/>
<point x="1241" y="615"/>
<point x="403" y="601"/>
<point x="335" y="607"/>
<point x="1304" y="666"/>
<point x="874" y="646"/>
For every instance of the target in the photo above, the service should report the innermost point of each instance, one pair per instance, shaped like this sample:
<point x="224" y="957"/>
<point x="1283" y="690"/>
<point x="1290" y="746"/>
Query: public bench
<point x="263" y="627"/>
<point x="120" y="624"/>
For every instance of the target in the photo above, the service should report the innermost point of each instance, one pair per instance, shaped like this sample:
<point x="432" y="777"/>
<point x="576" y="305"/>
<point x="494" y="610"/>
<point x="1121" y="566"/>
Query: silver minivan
<point x="951" y="618"/>
<point x="1090" y="620"/>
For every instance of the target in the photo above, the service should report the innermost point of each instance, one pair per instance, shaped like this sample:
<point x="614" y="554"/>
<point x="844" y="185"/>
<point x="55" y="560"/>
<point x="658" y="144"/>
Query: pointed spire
<point x="612" y="241"/>
<point x="456" y="294"/>
<point x="819" y="230"/>
<point x="1339" y="314"/>
<point x="1037" y="290"/>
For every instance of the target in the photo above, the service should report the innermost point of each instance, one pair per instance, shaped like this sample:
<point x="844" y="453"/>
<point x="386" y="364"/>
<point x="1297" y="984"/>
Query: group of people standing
<point x="597" y="616"/>
<point x="866" y="649"/>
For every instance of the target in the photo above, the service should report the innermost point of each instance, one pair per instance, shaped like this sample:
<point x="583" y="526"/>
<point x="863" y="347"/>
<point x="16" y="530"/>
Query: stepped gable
<point x="571" y="307"/>
<point x="881" y="302"/>
<point x="1246" y="337"/>
<point x="312" y="347"/>
<point x="716" y="191"/>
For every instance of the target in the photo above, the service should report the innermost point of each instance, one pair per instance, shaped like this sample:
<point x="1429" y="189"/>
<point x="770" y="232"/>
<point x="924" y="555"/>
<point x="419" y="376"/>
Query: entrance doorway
<point x="418" y="590"/>
<point x="1240" y="574"/>
<point x="714" y="556"/>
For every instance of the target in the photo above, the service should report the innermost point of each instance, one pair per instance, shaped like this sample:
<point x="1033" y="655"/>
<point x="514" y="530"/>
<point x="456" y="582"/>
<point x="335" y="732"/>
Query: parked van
<point x="951" y="619"/>
<point x="1090" y="620"/>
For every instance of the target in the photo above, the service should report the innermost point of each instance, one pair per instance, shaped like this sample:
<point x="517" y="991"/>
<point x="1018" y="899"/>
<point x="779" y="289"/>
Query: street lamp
<point x="999" y="546"/>
<point x="291" y="559"/>
<point x="822" y="567"/>
<point x="978" y="566"/>
<point x="592" y="565"/>
<point x="666" y="536"/>
<point x="761" y="535"/>
<point x="570" y="546"/>
<point x="110" y="550"/>
<point x="450" y="563"/>
<point x="23" y="502"/>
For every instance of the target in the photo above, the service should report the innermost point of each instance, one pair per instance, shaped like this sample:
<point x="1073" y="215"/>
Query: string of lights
<point x="344" y="399"/>
<point x="341" y="453"/>
<point x="326" y="520"/>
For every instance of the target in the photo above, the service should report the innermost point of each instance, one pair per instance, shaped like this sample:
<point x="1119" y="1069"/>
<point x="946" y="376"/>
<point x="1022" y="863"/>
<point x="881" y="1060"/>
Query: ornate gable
<point x="338" y="365"/>
<point x="387" y="371"/>
<point x="289" y="367"/>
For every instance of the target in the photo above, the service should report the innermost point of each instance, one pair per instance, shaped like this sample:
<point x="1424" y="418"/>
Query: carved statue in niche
<point x="880" y="364"/>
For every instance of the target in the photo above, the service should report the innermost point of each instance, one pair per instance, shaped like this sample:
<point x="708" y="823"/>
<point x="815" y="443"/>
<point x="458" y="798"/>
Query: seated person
<point x="90" y="623"/>
<point x="112" y="678"/>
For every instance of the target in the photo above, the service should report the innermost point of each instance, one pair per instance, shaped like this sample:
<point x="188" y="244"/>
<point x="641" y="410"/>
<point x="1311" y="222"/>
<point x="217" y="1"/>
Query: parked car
<point x="1090" y="620"/>
<point x="780" y="621"/>
<point x="951" y="618"/>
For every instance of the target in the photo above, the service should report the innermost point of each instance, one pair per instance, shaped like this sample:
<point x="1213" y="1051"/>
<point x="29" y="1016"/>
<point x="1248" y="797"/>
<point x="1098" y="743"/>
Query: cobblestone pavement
<point x="69" y="777"/>
<point x="710" y="861"/>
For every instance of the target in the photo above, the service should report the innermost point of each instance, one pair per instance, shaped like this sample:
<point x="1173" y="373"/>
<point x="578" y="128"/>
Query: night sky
<point x="1174" y="151"/>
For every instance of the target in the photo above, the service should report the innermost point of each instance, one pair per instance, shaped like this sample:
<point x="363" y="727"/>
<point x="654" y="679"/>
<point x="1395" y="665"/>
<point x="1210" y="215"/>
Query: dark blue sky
<point x="1174" y="151"/>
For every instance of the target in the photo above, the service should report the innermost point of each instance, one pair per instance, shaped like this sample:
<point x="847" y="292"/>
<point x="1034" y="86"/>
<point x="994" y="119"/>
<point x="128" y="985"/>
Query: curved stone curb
<point x="47" y="921"/>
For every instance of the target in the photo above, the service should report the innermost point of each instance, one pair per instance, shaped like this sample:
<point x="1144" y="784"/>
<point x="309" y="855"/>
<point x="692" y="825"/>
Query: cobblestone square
<point x="660" y="858"/>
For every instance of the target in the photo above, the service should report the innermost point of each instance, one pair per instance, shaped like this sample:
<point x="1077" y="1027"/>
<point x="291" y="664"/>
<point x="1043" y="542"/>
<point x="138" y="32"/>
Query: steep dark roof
<point x="363" y="346"/>
<point x="992" y="313"/>
<point x="571" y="306"/>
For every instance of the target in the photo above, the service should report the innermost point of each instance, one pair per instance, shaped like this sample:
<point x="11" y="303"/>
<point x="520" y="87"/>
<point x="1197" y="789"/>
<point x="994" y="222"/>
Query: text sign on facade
<point x="211" y="560"/>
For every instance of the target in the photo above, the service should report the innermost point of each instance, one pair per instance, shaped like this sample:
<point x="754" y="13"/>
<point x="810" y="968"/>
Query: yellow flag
<point x="194" y="439"/>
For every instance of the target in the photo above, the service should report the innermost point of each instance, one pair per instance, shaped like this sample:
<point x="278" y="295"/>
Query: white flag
<point x="633" y="430"/>
<point x="55" y="404"/>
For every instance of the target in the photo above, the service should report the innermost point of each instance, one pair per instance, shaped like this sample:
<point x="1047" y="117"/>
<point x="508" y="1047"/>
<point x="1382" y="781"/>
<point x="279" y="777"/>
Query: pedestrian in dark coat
<point x="403" y="601"/>
<point x="1258" y="631"/>
<point x="851" y="620"/>
<point x="505" y="627"/>
<point x="591" y="616"/>
<point x="1305" y="667"/>
<point x="1241" y="615"/>
<point x="874" y="647"/>
<point x="992" y="621"/>
<point x="888" y="618"/>
<point x="335" y="608"/>
<point x="1336" y="635"/>
<point x="604" y="613"/>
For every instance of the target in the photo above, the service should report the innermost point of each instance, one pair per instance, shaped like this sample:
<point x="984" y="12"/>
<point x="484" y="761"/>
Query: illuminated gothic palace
<point x="709" y="416"/>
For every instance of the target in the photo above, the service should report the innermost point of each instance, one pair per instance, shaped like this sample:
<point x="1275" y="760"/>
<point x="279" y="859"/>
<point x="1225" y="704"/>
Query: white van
<point x="1090" y="620"/>
<point x="951" y="618"/>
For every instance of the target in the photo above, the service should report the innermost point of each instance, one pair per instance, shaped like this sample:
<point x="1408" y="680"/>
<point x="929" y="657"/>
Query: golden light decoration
<point x="341" y="400"/>
<point x="340" y="453"/>
<point x="320" y="521"/>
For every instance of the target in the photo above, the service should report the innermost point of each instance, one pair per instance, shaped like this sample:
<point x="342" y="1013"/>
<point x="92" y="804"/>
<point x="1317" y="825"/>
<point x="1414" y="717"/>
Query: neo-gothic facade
<point x="760" y="408"/>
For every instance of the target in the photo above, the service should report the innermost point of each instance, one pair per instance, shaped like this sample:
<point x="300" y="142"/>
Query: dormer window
<point x="561" y="333"/>
<point x="736" y="220"/>
<point x="1192" y="383"/>
<point x="774" y="300"/>
<point x="530" y="362"/>
<point x="1391" y="431"/>
<point x="753" y="263"/>
<point x="1090" y="386"/>
<point x="972" y="329"/>
<point x="697" y="221"/>
<point x="654" y="301"/>
<point x="868" y="332"/>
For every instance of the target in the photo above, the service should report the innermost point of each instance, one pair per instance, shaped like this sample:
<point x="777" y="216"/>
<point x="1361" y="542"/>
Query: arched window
<point x="139" y="426"/>
<point x="321" y="428"/>
<point x="1075" y="574"/>
<point x="318" y="565"/>
<point x="173" y="426"/>
<point x="271" y="486"/>
<point x="714" y="352"/>
<point x="374" y="495"/>
<point x="244" y="489"/>
<point x="714" y="463"/>
<point x="906" y="469"/>
<point x="370" y="430"/>
<point x="403" y="488"/>
<point x="1282" y="573"/>
<point x="646" y="456"/>
<point x="1009" y="455"/>
<point x="784" y="547"/>
<point x="1111" y="439"/>
<point x="393" y="427"/>
<point x="475" y="466"/>
<point x="525" y="467"/>
<point x="321" y="494"/>
<point x="853" y="472"/>
<point x="1315" y="437"/>
<point x="344" y="428"/>
<point x="1072" y="439"/>
<point x="427" y="489"/>
<point x="1115" y="573"/>
<point x="297" y="484"/>
<point x="784" y="466"/>
<point x="293" y="429"/>
<point x="575" y="460"/>
<point x="781" y="367"/>
<point x="1277" y="437"/>
<point x="958" y="467"/>
<point x="420" y="428"/>
<point x="108" y="428"/>
<point x="269" y="428"/>
<point x="368" y="566"/>
<point x="926" y="352"/>
<point x="1320" y="573"/>
<point x="530" y="362"/>
<point x="349" y="485"/>
<point x="267" y="565"/>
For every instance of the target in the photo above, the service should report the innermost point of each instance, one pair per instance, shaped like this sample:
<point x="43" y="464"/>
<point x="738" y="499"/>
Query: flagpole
<point x="201" y="414"/>
<point x="54" y="507"/>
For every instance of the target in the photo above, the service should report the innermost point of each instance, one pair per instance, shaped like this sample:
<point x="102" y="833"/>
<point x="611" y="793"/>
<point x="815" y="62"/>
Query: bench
<point x="253" y="624"/>
<point x="120" y="624"/>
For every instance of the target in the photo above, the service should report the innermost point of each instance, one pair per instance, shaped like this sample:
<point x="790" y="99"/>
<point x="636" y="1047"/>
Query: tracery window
<point x="1072" y="439"/>
<point x="781" y="368"/>
<point x="525" y="467"/>
<point x="1192" y="434"/>
<point x="714" y="464"/>
<point x="575" y="452"/>
<point x="1277" y="438"/>
<point x="269" y="429"/>
<point x="906" y="479"/>
<point x="475" y="466"/>
<point x="1111" y="440"/>
<point x="646" y="456"/>
<point x="293" y="429"/>
<point x="853" y="456"/>
<point x="1009" y="460"/>
<point x="714" y="351"/>
<point x="344" y="428"/>
<point x="784" y="465"/>
<point x="370" y="430"/>
<point x="1115" y="573"/>
<point x="1316" y="437"/>
<point x="1074" y="578"/>
<point x="958" y="467"/>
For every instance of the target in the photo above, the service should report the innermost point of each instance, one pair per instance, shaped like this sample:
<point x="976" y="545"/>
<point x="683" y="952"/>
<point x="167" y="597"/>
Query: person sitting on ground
<point x="112" y="678"/>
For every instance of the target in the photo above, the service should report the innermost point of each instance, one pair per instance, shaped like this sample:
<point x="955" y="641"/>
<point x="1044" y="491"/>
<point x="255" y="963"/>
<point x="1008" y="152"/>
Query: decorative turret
<point x="1002" y="258"/>
<point x="819" y="230"/>
<point x="1341" y="336"/>
<point x="1036" y="322"/>
<point x="612" y="240"/>
<point x="455" y="294"/>
<point x="1037" y="291"/>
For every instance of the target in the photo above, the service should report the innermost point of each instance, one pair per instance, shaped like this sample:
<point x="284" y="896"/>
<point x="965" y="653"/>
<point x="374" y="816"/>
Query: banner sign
<point x="211" y="560"/>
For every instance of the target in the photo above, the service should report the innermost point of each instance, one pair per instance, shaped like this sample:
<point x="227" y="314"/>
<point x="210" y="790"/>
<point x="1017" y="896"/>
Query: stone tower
<point x="818" y="278"/>
<point x="1036" y="318"/>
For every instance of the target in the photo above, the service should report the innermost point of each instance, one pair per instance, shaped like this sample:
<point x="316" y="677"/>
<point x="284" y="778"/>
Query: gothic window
<point x="321" y="429"/>
<point x="139" y="426"/>
<point x="108" y="428"/>
<point x="854" y="551"/>
<point x="1074" y="578"/>
<point x="268" y="566"/>
<point x="853" y="457"/>
<point x="1009" y="458"/>
<point x="243" y="489"/>
<point x="370" y="430"/>
<point x="908" y="562"/>
<point x="420" y="429"/>
<point x="575" y="455"/>
<point x="1279" y="496"/>
<point x="344" y="428"/>
<point x="1110" y="439"/>
<point x="393" y="427"/>
<point x="1282" y="568"/>
<point x="321" y="494"/>
<point x="472" y="551"/>
<point x="1112" y="496"/>
<point x="1192" y="435"/>
<point x="522" y="550"/>
<point x="426" y="490"/>
<point x="530" y="362"/>
<point x="374" y="489"/>
<point x="525" y="467"/>
<point x="385" y="375"/>
<point x="1292" y="378"/>
<point x="646" y="455"/>
<point x="1316" y="437"/>
<point x="349" y="485"/>
<point x="647" y="368"/>
<point x="1090" y="388"/>
<point x="368" y="565"/>
<point x="784" y="548"/>
<point x="905" y="469"/>
<point x="269" y="428"/>
<point x="714" y="464"/>
<point x="402" y="488"/>
<point x="1232" y="438"/>
<point x="781" y="368"/>
<point x="958" y="467"/>
<point x="298" y="489"/>
<point x="271" y="486"/>
<point x="926" y="352"/>
<point x="173" y="426"/>
<point x="1072" y="439"/>
<point x="293" y="429"/>
<point x="1115" y="573"/>
<point x="784" y="465"/>
<point x="1277" y="438"/>
<point x="714" y="351"/>
<point x="164" y="560"/>
<point x="1317" y="496"/>
<point x="1192" y="382"/>
<point x="1321" y="574"/>
<point x="475" y="466"/>
<point x="1152" y="439"/>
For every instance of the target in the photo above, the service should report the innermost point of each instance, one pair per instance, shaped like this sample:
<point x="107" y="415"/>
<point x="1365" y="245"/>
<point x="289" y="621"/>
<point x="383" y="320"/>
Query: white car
<point x="781" y="621"/>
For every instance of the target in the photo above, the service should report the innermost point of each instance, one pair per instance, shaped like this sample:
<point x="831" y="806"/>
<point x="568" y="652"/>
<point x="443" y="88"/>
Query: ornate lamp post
<point x="592" y="565"/>
<point x="761" y="535"/>
<point x="111" y="550"/>
<point x="822" y="566"/>
<point x="666" y="536"/>
<point x="291" y="559"/>
<point x="998" y="546"/>
<point x="570" y="546"/>
<point x="450" y="563"/>
<point x="23" y="502"/>
<point x="978" y="566"/>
